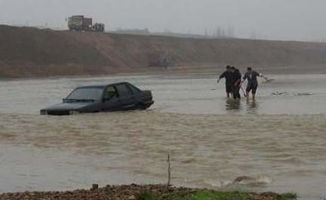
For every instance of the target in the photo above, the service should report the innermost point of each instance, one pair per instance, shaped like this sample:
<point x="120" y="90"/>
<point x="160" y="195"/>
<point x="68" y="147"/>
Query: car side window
<point x="123" y="90"/>
<point x="134" y="89"/>
<point x="110" y="93"/>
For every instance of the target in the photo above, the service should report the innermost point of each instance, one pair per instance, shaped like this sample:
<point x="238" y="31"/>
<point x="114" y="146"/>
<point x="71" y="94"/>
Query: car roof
<point x="102" y="86"/>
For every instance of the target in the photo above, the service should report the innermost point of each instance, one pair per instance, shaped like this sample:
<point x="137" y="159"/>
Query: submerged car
<point x="101" y="98"/>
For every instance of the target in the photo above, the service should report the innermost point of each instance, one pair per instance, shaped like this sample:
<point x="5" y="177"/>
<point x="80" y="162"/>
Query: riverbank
<point x="145" y="192"/>
<point x="31" y="52"/>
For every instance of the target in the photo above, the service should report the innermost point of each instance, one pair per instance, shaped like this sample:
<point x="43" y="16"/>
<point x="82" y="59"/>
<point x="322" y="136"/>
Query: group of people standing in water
<point x="234" y="80"/>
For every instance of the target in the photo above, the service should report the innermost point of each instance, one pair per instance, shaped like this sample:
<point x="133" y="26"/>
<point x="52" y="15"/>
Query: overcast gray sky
<point x="271" y="19"/>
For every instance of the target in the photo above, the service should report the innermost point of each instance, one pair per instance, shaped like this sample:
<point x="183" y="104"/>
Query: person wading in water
<point x="252" y="85"/>
<point x="228" y="75"/>
<point x="236" y="83"/>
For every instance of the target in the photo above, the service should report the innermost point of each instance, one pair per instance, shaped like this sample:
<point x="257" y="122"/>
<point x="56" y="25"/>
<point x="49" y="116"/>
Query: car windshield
<point x="86" y="94"/>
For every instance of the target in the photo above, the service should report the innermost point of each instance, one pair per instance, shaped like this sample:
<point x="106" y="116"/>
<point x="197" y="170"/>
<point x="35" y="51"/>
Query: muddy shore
<point x="142" y="192"/>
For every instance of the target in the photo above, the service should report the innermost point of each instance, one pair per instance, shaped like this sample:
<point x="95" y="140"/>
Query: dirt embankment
<point x="145" y="192"/>
<point x="30" y="52"/>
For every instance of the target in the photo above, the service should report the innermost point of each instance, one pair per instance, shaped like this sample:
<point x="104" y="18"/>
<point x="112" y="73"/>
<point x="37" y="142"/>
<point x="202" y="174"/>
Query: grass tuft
<point x="148" y="195"/>
<point x="214" y="195"/>
<point x="289" y="196"/>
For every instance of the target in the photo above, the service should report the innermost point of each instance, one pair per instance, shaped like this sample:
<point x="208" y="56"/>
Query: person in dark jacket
<point x="252" y="85"/>
<point x="228" y="75"/>
<point x="236" y="83"/>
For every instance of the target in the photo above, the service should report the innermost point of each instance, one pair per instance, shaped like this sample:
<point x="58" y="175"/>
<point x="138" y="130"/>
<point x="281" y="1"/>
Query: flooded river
<point x="279" y="140"/>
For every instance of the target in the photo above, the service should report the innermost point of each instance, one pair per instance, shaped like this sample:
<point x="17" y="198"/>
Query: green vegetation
<point x="215" y="195"/>
<point x="289" y="196"/>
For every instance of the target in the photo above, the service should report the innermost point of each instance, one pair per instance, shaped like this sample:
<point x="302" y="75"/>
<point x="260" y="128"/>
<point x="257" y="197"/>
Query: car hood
<point x="69" y="106"/>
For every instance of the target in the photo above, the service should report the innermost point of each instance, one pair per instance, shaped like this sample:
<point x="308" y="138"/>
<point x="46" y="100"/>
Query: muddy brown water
<point x="279" y="140"/>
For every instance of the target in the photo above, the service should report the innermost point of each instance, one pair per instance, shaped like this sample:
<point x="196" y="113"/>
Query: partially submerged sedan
<point x="101" y="98"/>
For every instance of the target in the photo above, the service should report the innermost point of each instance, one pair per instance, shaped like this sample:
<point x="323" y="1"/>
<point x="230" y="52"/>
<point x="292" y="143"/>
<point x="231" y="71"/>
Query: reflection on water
<point x="252" y="106"/>
<point x="233" y="105"/>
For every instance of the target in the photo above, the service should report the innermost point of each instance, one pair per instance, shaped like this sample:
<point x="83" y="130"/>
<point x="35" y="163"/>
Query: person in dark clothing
<point x="236" y="83"/>
<point x="228" y="75"/>
<point x="252" y="85"/>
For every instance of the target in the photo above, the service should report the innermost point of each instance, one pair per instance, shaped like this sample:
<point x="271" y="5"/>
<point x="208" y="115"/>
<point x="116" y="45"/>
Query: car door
<point x="126" y="97"/>
<point x="111" y="100"/>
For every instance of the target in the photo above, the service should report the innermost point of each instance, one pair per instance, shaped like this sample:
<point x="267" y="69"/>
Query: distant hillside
<point x="30" y="52"/>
